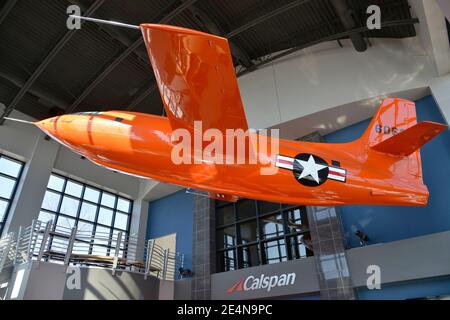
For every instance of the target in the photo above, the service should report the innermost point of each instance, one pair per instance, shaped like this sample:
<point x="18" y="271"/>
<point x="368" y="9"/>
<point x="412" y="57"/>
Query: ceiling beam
<point x="265" y="17"/>
<point x="7" y="7"/>
<point x="332" y="37"/>
<point x="117" y="60"/>
<point x="114" y="32"/>
<point x="143" y="94"/>
<point x="105" y="72"/>
<point x="202" y="18"/>
<point x="42" y="94"/>
<point x="43" y="65"/>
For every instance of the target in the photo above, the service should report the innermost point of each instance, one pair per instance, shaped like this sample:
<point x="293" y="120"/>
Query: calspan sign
<point x="263" y="282"/>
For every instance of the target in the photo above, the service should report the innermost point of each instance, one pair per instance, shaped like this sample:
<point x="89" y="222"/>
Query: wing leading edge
<point x="196" y="78"/>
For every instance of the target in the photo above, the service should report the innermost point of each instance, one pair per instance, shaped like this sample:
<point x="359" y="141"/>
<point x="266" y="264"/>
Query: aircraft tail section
<point x="411" y="139"/>
<point x="394" y="132"/>
<point x="393" y="116"/>
<point x="394" y="129"/>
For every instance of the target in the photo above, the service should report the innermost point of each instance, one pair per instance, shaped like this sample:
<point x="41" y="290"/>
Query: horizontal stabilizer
<point x="411" y="139"/>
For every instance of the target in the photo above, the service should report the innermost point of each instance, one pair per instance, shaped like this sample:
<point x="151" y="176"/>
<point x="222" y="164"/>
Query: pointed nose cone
<point x="48" y="126"/>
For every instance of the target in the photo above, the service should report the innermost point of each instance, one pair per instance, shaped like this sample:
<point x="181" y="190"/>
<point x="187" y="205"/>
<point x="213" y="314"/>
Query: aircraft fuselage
<point x="142" y="145"/>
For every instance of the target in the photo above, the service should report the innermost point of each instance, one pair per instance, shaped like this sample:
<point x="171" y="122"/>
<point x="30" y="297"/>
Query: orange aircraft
<point x="196" y="79"/>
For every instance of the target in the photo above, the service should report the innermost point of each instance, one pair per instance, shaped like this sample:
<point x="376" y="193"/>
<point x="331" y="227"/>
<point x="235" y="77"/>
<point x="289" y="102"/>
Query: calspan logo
<point x="263" y="282"/>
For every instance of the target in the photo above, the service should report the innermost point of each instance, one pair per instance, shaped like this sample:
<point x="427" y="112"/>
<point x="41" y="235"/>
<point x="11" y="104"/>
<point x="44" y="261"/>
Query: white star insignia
<point x="310" y="168"/>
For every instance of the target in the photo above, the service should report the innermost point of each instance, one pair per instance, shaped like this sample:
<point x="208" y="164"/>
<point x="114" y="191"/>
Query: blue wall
<point x="384" y="223"/>
<point x="409" y="290"/>
<point x="173" y="214"/>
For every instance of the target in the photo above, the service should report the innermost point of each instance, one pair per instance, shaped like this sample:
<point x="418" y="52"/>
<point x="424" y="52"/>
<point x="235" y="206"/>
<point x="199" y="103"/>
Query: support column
<point x="432" y="31"/>
<point x="204" y="247"/>
<point x="328" y="242"/>
<point x="138" y="227"/>
<point x="329" y="254"/>
<point x="33" y="184"/>
<point x="441" y="94"/>
<point x="445" y="7"/>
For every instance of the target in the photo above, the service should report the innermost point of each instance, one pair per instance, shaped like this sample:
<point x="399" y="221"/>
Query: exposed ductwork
<point x="347" y="18"/>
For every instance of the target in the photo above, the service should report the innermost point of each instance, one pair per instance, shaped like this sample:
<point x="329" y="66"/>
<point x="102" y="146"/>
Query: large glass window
<point x="92" y="211"/>
<point x="250" y="233"/>
<point x="10" y="172"/>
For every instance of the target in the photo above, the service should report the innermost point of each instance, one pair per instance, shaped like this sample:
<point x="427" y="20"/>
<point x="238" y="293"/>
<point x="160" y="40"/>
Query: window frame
<point x="286" y="237"/>
<point x="95" y="224"/>
<point x="14" y="190"/>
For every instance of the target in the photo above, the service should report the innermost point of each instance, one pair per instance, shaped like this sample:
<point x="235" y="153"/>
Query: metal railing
<point x="69" y="246"/>
<point x="7" y="245"/>
<point x="18" y="248"/>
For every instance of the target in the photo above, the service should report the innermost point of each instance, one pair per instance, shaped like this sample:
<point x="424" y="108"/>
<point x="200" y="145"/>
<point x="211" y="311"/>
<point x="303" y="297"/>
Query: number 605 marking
<point x="387" y="129"/>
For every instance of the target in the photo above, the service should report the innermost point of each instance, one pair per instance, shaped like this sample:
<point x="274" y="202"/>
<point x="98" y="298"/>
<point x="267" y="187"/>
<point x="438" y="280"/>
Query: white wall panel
<point x="260" y="98"/>
<point x="327" y="76"/>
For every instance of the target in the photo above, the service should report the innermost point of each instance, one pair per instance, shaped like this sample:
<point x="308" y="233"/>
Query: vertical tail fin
<point x="393" y="116"/>
<point x="394" y="131"/>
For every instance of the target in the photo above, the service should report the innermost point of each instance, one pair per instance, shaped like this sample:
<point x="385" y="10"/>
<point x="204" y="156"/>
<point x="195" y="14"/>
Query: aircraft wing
<point x="196" y="78"/>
